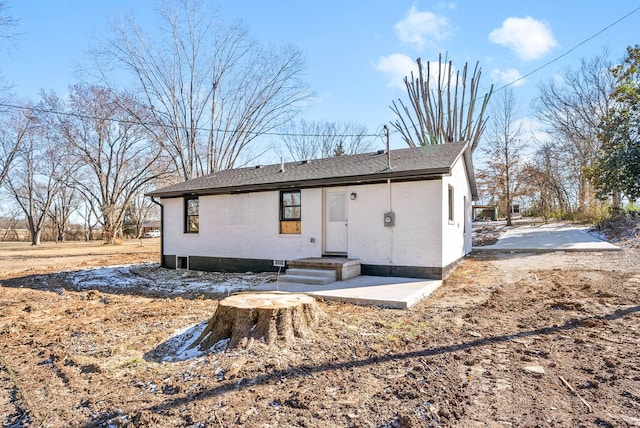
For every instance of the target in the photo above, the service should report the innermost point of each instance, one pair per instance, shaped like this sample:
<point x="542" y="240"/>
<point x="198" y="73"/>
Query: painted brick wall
<point x="457" y="243"/>
<point x="244" y="225"/>
<point x="416" y="237"/>
<point x="247" y="225"/>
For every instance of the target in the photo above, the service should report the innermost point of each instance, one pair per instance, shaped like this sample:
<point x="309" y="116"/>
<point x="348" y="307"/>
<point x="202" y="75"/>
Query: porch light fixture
<point x="353" y="196"/>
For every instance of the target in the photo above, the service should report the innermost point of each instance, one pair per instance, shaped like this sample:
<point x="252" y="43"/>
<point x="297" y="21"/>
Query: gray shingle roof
<point x="406" y="164"/>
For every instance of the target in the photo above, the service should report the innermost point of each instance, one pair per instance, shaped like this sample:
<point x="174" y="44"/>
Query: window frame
<point x="187" y="216"/>
<point x="451" y="205"/>
<point x="466" y="214"/>
<point x="290" y="225"/>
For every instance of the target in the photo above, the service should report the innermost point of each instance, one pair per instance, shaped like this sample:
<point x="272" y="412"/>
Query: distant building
<point x="485" y="212"/>
<point x="149" y="225"/>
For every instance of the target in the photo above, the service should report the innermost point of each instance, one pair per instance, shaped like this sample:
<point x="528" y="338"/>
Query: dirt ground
<point x="509" y="340"/>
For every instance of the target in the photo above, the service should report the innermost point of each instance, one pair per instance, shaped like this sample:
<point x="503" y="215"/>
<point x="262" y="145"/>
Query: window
<point x="451" y="204"/>
<point x="191" y="217"/>
<point x="290" y="212"/>
<point x="182" y="263"/>
<point x="466" y="215"/>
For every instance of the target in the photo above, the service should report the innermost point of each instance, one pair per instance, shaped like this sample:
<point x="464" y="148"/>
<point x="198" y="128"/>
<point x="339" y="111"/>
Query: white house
<point x="403" y="213"/>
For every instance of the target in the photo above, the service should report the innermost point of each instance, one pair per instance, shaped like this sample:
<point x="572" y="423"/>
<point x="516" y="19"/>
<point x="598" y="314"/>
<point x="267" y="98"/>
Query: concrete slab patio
<point x="547" y="238"/>
<point x="391" y="292"/>
<point x="402" y="293"/>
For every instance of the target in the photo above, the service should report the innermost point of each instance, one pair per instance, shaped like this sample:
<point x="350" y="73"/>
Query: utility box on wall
<point x="389" y="219"/>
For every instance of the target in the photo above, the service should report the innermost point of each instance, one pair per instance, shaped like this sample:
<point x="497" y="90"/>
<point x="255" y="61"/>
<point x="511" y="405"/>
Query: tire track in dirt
<point x="13" y="408"/>
<point x="574" y="313"/>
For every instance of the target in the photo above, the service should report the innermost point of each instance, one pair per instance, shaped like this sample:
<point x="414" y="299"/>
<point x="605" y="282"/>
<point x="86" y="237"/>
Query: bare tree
<point x="8" y="144"/>
<point x="114" y="157"/>
<point x="8" y="25"/>
<point x="319" y="139"/>
<point x="503" y="150"/>
<point x="8" y="225"/>
<point x="544" y="180"/>
<point x="90" y="217"/>
<point x="211" y="89"/>
<point x="10" y="140"/>
<point x="442" y="108"/>
<point x="64" y="203"/>
<point x="139" y="210"/>
<point x="36" y="175"/>
<point x="572" y="108"/>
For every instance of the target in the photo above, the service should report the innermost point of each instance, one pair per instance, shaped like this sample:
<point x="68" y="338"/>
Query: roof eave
<point x="431" y="174"/>
<point x="473" y="185"/>
<point x="468" y="164"/>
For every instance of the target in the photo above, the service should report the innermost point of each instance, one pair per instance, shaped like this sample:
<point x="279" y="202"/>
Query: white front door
<point x="335" y="221"/>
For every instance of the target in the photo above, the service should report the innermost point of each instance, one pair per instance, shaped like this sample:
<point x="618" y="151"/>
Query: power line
<point x="293" y="134"/>
<point x="588" y="39"/>
<point x="137" y="122"/>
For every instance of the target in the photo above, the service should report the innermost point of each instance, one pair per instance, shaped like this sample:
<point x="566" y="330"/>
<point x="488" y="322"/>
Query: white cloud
<point x="397" y="66"/>
<point x="529" y="38"/>
<point x="507" y="76"/>
<point x="442" y="71"/>
<point x="421" y="28"/>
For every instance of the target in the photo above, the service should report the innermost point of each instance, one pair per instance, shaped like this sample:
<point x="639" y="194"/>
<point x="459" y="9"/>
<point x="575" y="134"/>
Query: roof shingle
<point x="417" y="162"/>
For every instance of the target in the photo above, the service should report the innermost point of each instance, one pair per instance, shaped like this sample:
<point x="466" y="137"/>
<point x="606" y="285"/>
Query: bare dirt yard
<point x="509" y="340"/>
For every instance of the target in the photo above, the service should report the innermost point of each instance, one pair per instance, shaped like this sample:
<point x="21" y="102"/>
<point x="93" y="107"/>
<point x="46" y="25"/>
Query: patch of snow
<point x="597" y="234"/>
<point x="151" y="277"/>
<point x="220" y="346"/>
<point x="177" y="347"/>
<point x="119" y="276"/>
<point x="624" y="233"/>
<point x="219" y="373"/>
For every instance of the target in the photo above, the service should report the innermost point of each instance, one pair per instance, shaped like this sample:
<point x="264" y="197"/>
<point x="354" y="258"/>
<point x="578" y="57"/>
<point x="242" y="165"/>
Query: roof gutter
<point x="320" y="182"/>
<point x="471" y="173"/>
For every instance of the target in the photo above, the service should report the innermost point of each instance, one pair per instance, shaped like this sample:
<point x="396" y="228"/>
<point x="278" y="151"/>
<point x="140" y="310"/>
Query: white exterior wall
<point x="415" y="239"/>
<point x="456" y="235"/>
<point x="247" y="225"/>
<point x="244" y="225"/>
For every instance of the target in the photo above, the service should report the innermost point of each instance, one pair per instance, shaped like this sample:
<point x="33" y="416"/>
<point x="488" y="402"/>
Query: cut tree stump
<point x="260" y="316"/>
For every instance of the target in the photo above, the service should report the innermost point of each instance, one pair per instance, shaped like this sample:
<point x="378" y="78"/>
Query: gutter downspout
<point x="153" y="199"/>
<point x="389" y="205"/>
<point x="388" y="195"/>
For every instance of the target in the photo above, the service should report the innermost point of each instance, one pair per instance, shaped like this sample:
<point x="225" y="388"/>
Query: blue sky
<point x="356" y="51"/>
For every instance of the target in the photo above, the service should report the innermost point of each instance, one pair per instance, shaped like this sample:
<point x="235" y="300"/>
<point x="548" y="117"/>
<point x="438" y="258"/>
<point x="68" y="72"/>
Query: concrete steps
<point x="343" y="267"/>
<point x="309" y="276"/>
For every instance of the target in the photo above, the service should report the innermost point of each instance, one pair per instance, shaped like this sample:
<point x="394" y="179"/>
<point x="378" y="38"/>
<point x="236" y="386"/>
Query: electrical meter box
<point x="389" y="219"/>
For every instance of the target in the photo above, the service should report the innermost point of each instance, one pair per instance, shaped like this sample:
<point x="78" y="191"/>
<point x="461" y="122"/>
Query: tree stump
<point x="260" y="316"/>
